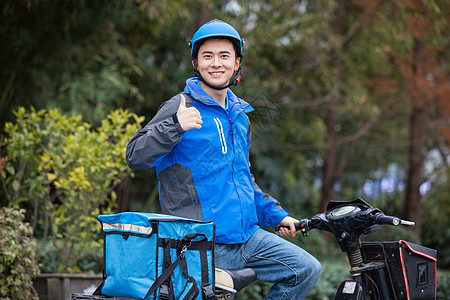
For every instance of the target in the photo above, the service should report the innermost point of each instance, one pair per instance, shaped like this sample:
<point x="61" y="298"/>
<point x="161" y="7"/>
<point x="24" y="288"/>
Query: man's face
<point x="217" y="61"/>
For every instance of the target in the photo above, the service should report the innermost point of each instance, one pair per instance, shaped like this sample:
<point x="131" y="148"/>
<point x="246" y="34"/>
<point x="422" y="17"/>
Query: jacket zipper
<point x="234" y="179"/>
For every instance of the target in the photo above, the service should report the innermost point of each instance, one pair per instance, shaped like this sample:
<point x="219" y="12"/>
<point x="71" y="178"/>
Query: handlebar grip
<point x="302" y="225"/>
<point x="383" y="219"/>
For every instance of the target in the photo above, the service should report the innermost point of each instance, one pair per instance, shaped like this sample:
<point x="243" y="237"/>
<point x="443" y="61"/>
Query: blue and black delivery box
<point x="156" y="256"/>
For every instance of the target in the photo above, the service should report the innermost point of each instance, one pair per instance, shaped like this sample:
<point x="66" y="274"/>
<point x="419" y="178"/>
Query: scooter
<point x="384" y="270"/>
<point x="397" y="270"/>
<point x="380" y="270"/>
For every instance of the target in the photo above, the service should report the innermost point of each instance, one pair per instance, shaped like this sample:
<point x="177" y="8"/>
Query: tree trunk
<point x="205" y="14"/>
<point x="330" y="157"/>
<point x="329" y="160"/>
<point x="413" y="208"/>
<point x="123" y="194"/>
<point x="418" y="97"/>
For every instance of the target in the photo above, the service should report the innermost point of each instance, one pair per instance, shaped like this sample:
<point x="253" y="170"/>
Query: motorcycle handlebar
<point x="383" y="219"/>
<point x="303" y="226"/>
<point x="306" y="225"/>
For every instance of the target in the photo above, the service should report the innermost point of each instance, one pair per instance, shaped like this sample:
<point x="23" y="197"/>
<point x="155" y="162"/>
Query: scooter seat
<point x="234" y="280"/>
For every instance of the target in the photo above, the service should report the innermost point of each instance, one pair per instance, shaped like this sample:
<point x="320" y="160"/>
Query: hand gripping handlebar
<point x="303" y="226"/>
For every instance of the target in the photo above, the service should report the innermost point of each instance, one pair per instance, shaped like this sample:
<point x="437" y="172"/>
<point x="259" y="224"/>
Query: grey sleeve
<point x="266" y="196"/>
<point x="157" y="138"/>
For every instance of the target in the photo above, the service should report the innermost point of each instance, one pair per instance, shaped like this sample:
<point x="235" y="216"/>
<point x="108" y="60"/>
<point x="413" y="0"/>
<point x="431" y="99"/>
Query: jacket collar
<point x="195" y="91"/>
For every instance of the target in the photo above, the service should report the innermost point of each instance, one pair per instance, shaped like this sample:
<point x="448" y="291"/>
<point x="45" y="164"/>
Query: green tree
<point x="95" y="56"/>
<point x="63" y="172"/>
<point x="424" y="80"/>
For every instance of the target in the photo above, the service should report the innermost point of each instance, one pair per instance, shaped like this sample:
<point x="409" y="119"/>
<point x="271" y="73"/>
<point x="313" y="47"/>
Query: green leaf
<point x="10" y="169"/>
<point x="15" y="185"/>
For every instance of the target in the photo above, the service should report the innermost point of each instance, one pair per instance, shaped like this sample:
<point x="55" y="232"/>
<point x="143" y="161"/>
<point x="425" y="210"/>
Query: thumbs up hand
<point x="189" y="118"/>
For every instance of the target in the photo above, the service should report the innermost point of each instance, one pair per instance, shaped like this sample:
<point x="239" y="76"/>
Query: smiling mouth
<point x="216" y="73"/>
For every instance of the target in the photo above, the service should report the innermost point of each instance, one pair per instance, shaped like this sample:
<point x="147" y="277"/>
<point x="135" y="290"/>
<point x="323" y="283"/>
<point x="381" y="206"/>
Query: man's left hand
<point x="287" y="227"/>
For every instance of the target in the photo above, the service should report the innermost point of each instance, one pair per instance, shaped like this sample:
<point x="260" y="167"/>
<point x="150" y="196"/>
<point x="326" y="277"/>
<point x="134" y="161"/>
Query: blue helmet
<point x="216" y="28"/>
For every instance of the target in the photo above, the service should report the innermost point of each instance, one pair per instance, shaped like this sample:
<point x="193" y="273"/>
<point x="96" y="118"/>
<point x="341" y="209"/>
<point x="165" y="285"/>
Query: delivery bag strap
<point x="98" y="290"/>
<point x="166" y="290"/>
<point x="165" y="274"/>
<point x="186" y="241"/>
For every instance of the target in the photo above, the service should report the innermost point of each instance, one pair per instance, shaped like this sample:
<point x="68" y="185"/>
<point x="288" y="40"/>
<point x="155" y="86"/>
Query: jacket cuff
<point x="177" y="124"/>
<point x="278" y="218"/>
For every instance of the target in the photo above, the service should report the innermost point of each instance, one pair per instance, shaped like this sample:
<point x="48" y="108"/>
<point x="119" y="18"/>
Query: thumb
<point x="182" y="102"/>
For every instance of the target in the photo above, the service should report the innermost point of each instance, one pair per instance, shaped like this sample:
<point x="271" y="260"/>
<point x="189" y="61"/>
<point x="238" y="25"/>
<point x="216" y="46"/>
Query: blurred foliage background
<point x="352" y="100"/>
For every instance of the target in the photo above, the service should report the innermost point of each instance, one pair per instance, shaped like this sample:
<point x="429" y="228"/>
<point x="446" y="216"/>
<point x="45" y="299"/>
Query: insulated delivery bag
<point x="155" y="256"/>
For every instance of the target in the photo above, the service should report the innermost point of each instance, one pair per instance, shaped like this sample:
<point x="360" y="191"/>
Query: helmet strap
<point x="235" y="82"/>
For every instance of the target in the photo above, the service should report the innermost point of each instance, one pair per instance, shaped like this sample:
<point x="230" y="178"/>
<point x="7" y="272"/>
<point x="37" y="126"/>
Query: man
<point x="199" y="142"/>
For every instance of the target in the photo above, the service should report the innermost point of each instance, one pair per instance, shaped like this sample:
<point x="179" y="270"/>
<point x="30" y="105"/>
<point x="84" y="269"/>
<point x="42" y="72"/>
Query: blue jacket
<point x="204" y="173"/>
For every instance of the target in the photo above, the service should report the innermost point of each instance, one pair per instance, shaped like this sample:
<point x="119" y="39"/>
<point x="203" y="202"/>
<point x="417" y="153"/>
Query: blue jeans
<point x="274" y="259"/>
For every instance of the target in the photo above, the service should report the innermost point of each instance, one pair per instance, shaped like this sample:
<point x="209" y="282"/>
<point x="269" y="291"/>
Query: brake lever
<point x="407" y="223"/>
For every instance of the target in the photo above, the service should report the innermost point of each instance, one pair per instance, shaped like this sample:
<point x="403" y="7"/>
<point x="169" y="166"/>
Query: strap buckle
<point x="208" y="293"/>
<point x="164" y="292"/>
<point x="182" y="251"/>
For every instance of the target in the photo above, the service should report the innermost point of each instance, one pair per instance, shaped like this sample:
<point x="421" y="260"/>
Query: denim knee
<point x="305" y="275"/>
<point x="311" y="271"/>
<point x="308" y="272"/>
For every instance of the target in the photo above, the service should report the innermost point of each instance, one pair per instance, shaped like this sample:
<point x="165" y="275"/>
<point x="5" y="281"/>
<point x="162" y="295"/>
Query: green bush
<point x="436" y="223"/>
<point x="443" y="285"/>
<point x="64" y="172"/>
<point x="257" y="290"/>
<point x="17" y="258"/>
<point x="332" y="275"/>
